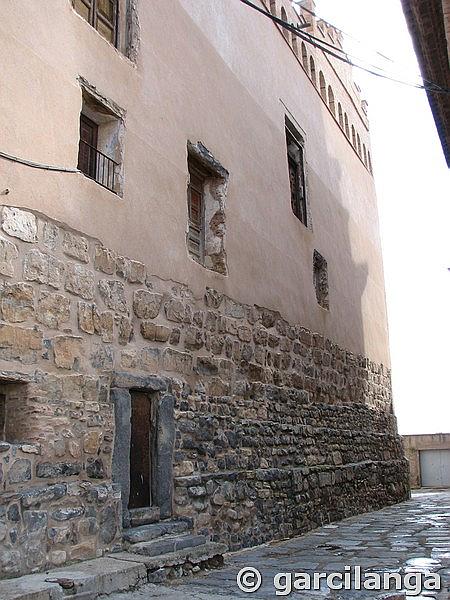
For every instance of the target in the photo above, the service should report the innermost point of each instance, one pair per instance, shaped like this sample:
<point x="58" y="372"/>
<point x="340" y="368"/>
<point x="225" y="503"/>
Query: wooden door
<point x="87" y="155"/>
<point x="140" y="450"/>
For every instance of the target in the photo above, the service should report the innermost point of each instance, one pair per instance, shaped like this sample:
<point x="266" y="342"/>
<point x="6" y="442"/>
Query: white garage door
<point x="435" y="468"/>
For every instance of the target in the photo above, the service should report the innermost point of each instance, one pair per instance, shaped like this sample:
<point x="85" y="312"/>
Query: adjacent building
<point x="429" y="25"/>
<point x="193" y="325"/>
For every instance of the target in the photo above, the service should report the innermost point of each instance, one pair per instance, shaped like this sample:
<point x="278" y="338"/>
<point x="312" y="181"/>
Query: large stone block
<point x="112" y="293"/>
<point x="20" y="338"/>
<point x="19" y="223"/>
<point x="180" y="362"/>
<point x="156" y="333"/>
<point x="76" y="246"/>
<point x="80" y="281"/>
<point x="8" y="254"/>
<point x="20" y="471"/>
<point x="104" y="260"/>
<point x="53" y="309"/>
<point x="68" y="351"/>
<point x="17" y="302"/>
<point x="43" y="268"/>
<point x="50" y="235"/>
<point x="146" y="305"/>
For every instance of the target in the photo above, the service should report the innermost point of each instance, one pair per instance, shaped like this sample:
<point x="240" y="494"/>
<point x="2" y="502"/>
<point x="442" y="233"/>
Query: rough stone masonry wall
<point x="277" y="429"/>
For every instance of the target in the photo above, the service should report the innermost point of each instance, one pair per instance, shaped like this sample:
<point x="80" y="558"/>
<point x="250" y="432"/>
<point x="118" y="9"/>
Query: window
<point x="365" y="154"/>
<point x="284" y="18"/>
<point x="15" y="421"/>
<point x="102" y="15"/>
<point x="296" y="166"/>
<point x="341" y="115"/>
<point x="358" y="142"/>
<point x="353" y="137"/>
<point x="273" y="7"/>
<point x="313" y="71"/>
<point x="369" y="162"/>
<point x="347" y="130"/>
<point x="331" y="100"/>
<point x="206" y="196"/>
<point x="305" y="57"/>
<point x="294" y="43"/>
<point x="116" y="20"/>
<point x="323" y="86"/>
<point x="196" y="210"/>
<point x="101" y="134"/>
<point x="320" y="280"/>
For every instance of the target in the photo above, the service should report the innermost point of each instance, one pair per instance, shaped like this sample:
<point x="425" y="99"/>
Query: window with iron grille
<point x="101" y="137"/>
<point x="206" y="196"/>
<point x="102" y="15"/>
<point x="296" y="166"/>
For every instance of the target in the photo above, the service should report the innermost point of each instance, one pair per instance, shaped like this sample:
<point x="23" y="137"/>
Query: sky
<point x="413" y="188"/>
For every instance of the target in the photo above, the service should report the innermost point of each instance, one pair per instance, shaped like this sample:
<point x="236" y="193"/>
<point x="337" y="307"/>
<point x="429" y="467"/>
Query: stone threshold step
<point x="82" y="581"/>
<point x="144" y="516"/>
<point x="194" y="555"/>
<point x="145" y="533"/>
<point x="167" y="543"/>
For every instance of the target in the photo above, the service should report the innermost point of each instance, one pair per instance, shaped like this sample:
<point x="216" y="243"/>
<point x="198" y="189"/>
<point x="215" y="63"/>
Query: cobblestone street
<point x="410" y="537"/>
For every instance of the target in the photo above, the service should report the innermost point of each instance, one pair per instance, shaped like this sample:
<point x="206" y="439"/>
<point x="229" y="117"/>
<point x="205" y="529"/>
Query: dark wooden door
<point x="140" y="455"/>
<point x="87" y="155"/>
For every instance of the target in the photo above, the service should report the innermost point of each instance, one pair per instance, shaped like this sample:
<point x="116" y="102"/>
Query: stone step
<point x="194" y="555"/>
<point x="144" y="516"/>
<point x="167" y="543"/>
<point x="146" y="533"/>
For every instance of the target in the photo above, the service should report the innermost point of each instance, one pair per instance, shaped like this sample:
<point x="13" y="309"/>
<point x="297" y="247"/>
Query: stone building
<point x="193" y="345"/>
<point x="429" y="25"/>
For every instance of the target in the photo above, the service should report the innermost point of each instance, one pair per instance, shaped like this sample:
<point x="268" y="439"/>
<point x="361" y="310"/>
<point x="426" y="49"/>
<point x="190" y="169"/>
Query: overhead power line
<point x="298" y="4"/>
<point x="322" y="45"/>
<point x="351" y="37"/>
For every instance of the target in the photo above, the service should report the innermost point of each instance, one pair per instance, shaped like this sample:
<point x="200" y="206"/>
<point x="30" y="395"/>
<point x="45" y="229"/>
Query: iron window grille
<point x="95" y="164"/>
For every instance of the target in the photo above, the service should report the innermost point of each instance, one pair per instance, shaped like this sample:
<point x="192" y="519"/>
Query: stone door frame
<point x="162" y="470"/>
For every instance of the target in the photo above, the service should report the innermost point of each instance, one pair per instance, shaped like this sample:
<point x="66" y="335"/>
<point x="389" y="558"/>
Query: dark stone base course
<point x="269" y="464"/>
<point x="63" y="522"/>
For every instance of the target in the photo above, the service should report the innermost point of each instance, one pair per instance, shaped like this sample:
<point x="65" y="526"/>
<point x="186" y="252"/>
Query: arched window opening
<point x="284" y="18"/>
<point x="273" y="7"/>
<point x="359" y="144"/>
<point x="353" y="137"/>
<point x="365" y="154"/>
<point x="313" y="71"/>
<point x="294" y="43"/>
<point x="341" y="115"/>
<point x="369" y="161"/>
<point x="331" y="100"/>
<point x="305" y="58"/>
<point x="323" y="86"/>
<point x="347" y="130"/>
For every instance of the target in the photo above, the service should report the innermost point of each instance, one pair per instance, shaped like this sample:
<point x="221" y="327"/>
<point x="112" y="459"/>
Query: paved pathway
<point x="413" y="537"/>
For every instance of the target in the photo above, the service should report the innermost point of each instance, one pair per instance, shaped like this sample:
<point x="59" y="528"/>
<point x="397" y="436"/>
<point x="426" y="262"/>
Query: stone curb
<point x="84" y="581"/>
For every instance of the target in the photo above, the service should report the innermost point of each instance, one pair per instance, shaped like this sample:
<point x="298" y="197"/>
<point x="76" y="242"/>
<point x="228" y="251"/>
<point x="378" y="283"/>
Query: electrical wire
<point x="35" y="165"/>
<point x="317" y="43"/>
<point x="298" y="4"/>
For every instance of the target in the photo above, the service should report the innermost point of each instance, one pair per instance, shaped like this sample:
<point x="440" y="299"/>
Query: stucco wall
<point x="218" y="73"/>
